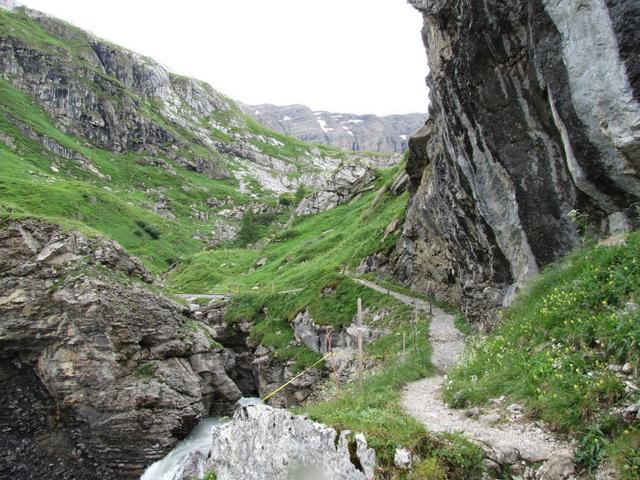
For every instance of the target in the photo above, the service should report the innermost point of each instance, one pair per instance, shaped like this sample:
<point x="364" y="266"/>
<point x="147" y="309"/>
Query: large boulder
<point x="99" y="374"/>
<point x="263" y="442"/>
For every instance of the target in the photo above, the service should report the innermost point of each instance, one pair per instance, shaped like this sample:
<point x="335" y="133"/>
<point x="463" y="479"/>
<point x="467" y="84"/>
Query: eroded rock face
<point x="345" y="183"/>
<point x="255" y="368"/>
<point x="347" y="131"/>
<point x="263" y="442"/>
<point x="99" y="375"/>
<point x="343" y="343"/>
<point x="534" y="114"/>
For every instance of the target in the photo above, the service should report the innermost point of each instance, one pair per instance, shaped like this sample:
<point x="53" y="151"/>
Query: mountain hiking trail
<point x="500" y="430"/>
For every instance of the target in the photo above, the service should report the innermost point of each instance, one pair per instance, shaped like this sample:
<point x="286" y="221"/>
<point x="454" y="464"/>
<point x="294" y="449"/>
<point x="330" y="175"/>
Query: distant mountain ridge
<point x="344" y="130"/>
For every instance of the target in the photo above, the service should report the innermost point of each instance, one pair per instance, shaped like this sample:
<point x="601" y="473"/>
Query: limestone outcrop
<point x="348" y="131"/>
<point x="533" y="139"/>
<point x="99" y="374"/>
<point x="345" y="183"/>
<point x="263" y="442"/>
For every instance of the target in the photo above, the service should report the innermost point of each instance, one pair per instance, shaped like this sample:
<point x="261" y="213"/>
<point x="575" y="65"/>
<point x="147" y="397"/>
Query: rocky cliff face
<point x="347" y="131"/>
<point x="99" y="375"/>
<point x="534" y="135"/>
<point x="120" y="101"/>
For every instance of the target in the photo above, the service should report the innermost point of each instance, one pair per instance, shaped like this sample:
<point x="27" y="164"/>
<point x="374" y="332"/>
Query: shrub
<point x="248" y="232"/>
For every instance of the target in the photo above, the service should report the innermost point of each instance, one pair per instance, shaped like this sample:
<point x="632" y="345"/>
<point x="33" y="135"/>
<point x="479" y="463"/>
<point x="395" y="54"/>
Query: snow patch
<point x="346" y="129"/>
<point x="257" y="112"/>
<point x="286" y="117"/>
<point x="355" y="120"/>
<point x="404" y="137"/>
<point x="323" y="126"/>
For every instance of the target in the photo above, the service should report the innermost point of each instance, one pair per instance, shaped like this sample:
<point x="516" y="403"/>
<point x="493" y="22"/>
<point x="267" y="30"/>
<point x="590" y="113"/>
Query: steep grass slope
<point x="561" y="350"/>
<point x="310" y="259"/>
<point x="99" y="138"/>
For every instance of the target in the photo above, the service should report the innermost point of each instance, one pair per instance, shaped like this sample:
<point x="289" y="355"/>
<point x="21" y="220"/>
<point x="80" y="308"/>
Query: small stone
<point x="558" y="467"/>
<point x="627" y="369"/>
<point x="366" y="455"/>
<point x="472" y="412"/>
<point x="515" y="408"/>
<point x="490" y="464"/>
<point x="614" y="367"/>
<point x="402" y="458"/>
<point x="490" y="418"/>
<point x="631" y="307"/>
<point x="262" y="262"/>
<point x="606" y="472"/>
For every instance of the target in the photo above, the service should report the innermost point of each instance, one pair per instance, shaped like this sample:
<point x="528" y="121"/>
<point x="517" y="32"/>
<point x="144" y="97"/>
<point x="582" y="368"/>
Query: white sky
<point x="350" y="56"/>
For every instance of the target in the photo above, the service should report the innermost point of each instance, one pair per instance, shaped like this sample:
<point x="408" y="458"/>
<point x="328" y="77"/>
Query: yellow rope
<point x="339" y="354"/>
<point x="264" y="399"/>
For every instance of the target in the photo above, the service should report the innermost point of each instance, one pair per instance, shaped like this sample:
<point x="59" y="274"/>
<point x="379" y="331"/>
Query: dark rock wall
<point x="534" y="114"/>
<point x="98" y="373"/>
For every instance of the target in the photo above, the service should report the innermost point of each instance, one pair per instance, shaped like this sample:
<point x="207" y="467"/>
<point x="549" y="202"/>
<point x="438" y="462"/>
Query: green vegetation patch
<point x="305" y="267"/>
<point x="556" y="349"/>
<point x="375" y="411"/>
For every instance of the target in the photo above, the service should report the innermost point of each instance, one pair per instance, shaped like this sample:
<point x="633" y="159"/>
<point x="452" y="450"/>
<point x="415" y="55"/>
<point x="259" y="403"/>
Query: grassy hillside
<point x="153" y="201"/>
<point x="559" y="349"/>
<point x="310" y="248"/>
<point x="313" y="255"/>
<point x="36" y="182"/>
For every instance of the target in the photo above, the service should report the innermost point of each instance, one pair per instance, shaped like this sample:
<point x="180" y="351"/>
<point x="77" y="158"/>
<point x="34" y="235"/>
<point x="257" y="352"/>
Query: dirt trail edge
<point x="505" y="437"/>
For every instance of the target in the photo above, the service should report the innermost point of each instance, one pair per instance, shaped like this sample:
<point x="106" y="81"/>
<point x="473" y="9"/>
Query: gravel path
<point x="501" y="431"/>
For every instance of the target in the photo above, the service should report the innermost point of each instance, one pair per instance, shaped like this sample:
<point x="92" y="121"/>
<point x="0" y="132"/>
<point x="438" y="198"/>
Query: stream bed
<point x="199" y="440"/>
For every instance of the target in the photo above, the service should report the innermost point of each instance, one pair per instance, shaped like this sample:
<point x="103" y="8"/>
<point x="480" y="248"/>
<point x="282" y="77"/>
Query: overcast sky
<point x="350" y="56"/>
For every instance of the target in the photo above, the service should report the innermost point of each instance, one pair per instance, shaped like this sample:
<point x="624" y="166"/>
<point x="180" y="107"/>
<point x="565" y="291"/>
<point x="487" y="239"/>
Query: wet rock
<point x="194" y="467"/>
<point x="263" y="442"/>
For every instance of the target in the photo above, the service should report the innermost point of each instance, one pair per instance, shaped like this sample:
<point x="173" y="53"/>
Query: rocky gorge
<point x="531" y="148"/>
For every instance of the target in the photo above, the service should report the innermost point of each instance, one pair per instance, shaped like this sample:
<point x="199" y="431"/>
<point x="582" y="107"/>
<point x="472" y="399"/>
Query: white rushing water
<point x="199" y="440"/>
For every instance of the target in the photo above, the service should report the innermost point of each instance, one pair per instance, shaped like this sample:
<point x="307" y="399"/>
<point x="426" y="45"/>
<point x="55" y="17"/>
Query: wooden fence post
<point x="360" y="359"/>
<point x="415" y="329"/>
